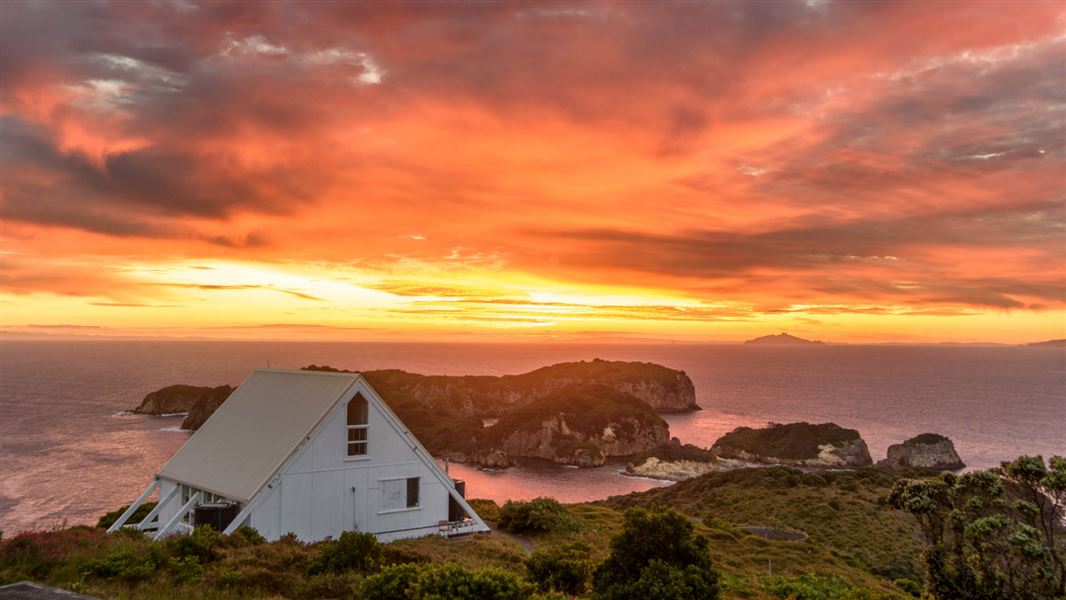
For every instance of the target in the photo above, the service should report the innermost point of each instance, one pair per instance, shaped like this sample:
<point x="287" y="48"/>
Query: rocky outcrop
<point x="173" y="399"/>
<point x="446" y="412"/>
<point x="926" y="451"/>
<point x="205" y="406"/>
<point x="662" y="388"/>
<point x="824" y="445"/>
<point x="580" y="425"/>
<point x="495" y="459"/>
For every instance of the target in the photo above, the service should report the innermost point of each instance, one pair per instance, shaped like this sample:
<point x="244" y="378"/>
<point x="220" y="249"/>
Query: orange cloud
<point x="683" y="170"/>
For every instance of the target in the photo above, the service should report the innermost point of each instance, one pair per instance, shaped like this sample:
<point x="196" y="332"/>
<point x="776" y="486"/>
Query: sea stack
<point x="925" y="451"/>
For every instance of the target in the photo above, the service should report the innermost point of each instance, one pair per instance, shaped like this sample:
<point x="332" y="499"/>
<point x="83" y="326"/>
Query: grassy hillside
<point x="849" y="528"/>
<point x="856" y="546"/>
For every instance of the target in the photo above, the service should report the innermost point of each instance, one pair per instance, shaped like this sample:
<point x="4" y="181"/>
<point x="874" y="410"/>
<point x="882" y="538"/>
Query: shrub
<point x="125" y="565"/>
<point x="354" y="550"/>
<point x="818" y="587"/>
<point x="909" y="586"/>
<point x="228" y="577"/>
<point x="486" y="509"/>
<point x="138" y="515"/>
<point x="245" y="536"/>
<point x="436" y="581"/>
<point x="537" y="515"/>
<point x="202" y="544"/>
<point x="392" y="583"/>
<point x="657" y="555"/>
<point x="566" y="569"/>
<point x="186" y="569"/>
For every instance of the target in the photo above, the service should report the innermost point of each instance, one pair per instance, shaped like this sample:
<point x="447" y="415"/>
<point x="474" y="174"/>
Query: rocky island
<point x="823" y="445"/>
<point x="578" y="413"/>
<point x="582" y="425"/>
<point x="925" y="451"/>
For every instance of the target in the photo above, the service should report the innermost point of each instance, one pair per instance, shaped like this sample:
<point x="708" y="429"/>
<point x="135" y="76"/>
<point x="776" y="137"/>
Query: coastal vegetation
<point x="992" y="534"/>
<point x="765" y="533"/>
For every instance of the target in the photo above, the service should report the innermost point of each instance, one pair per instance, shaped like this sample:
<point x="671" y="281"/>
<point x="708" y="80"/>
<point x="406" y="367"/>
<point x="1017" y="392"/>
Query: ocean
<point x="69" y="454"/>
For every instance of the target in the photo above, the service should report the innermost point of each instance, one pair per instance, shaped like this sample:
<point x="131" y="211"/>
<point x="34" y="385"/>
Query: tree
<point x="992" y="534"/>
<point x="656" y="555"/>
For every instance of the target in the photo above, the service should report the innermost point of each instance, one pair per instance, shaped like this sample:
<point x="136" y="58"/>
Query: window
<point x="397" y="494"/>
<point x="357" y="425"/>
<point x="412" y="492"/>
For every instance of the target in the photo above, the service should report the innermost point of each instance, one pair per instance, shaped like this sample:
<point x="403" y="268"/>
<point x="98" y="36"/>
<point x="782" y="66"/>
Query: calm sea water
<point x="66" y="454"/>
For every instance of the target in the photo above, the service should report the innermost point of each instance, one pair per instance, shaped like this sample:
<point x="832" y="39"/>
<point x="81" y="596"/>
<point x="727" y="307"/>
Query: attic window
<point x="357" y="425"/>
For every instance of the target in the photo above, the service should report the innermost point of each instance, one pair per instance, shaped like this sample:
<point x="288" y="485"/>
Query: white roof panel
<point x="255" y="430"/>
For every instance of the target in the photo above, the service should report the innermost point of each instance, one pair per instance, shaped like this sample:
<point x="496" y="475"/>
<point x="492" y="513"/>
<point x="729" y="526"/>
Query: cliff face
<point x="926" y="451"/>
<point x="825" y="445"/>
<point x="170" y="400"/>
<point x="205" y="406"/>
<point x="580" y="425"/>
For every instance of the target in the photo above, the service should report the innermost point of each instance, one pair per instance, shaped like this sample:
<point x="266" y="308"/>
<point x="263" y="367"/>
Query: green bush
<point x="566" y="569"/>
<point x="537" y="515"/>
<point x="657" y="554"/>
<point x="126" y="565"/>
<point x="245" y="536"/>
<point x="444" y="581"/>
<point x="354" y="550"/>
<point x="486" y="509"/>
<point x="909" y="586"/>
<point x="186" y="569"/>
<point x="229" y="577"/>
<point x="203" y="544"/>
<point x="138" y="515"/>
<point x="393" y="582"/>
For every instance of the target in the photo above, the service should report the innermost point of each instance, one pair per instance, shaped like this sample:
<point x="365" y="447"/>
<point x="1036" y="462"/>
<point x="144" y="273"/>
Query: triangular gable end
<point x="243" y="461"/>
<point x="419" y="450"/>
<point x="360" y="385"/>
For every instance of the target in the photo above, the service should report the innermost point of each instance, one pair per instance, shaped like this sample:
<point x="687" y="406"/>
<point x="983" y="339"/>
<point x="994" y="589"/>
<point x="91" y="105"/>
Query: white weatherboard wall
<point x="315" y="490"/>
<point x="321" y="491"/>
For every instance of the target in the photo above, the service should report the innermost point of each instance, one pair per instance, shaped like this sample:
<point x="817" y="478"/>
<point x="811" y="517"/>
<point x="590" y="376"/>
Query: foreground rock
<point x="824" y="445"/>
<point x="580" y="425"/>
<point x="925" y="451"/>
<point x="170" y="400"/>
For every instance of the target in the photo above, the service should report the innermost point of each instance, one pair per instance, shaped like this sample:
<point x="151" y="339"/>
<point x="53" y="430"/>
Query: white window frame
<point x="365" y="427"/>
<point x="403" y="494"/>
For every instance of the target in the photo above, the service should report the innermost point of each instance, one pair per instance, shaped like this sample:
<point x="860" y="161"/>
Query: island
<point x="925" y="451"/>
<point x="822" y="445"/>
<point x="577" y="413"/>
<point x="1049" y="344"/>
<point x="782" y="339"/>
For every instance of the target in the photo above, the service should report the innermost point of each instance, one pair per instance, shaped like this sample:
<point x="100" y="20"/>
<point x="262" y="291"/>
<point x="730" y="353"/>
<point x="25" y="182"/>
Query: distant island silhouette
<point x="782" y="339"/>
<point x="1050" y="344"/>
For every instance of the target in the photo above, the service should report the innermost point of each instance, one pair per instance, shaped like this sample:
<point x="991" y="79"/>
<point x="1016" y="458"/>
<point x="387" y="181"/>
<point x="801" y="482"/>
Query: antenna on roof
<point x="268" y="363"/>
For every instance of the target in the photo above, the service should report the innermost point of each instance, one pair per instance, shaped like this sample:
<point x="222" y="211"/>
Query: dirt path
<point x="524" y="542"/>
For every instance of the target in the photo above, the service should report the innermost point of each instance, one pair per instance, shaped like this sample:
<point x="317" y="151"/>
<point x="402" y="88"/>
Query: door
<point x="355" y="501"/>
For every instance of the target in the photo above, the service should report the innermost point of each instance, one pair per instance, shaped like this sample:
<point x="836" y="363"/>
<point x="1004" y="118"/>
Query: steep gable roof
<point x="255" y="430"/>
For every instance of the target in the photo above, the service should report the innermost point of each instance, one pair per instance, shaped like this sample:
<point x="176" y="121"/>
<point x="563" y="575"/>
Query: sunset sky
<point x="846" y="171"/>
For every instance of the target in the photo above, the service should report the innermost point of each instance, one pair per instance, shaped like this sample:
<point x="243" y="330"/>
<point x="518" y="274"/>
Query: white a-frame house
<point x="310" y="453"/>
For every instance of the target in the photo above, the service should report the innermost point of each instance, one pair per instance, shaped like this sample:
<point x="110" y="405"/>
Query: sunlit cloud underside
<point x="856" y="172"/>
